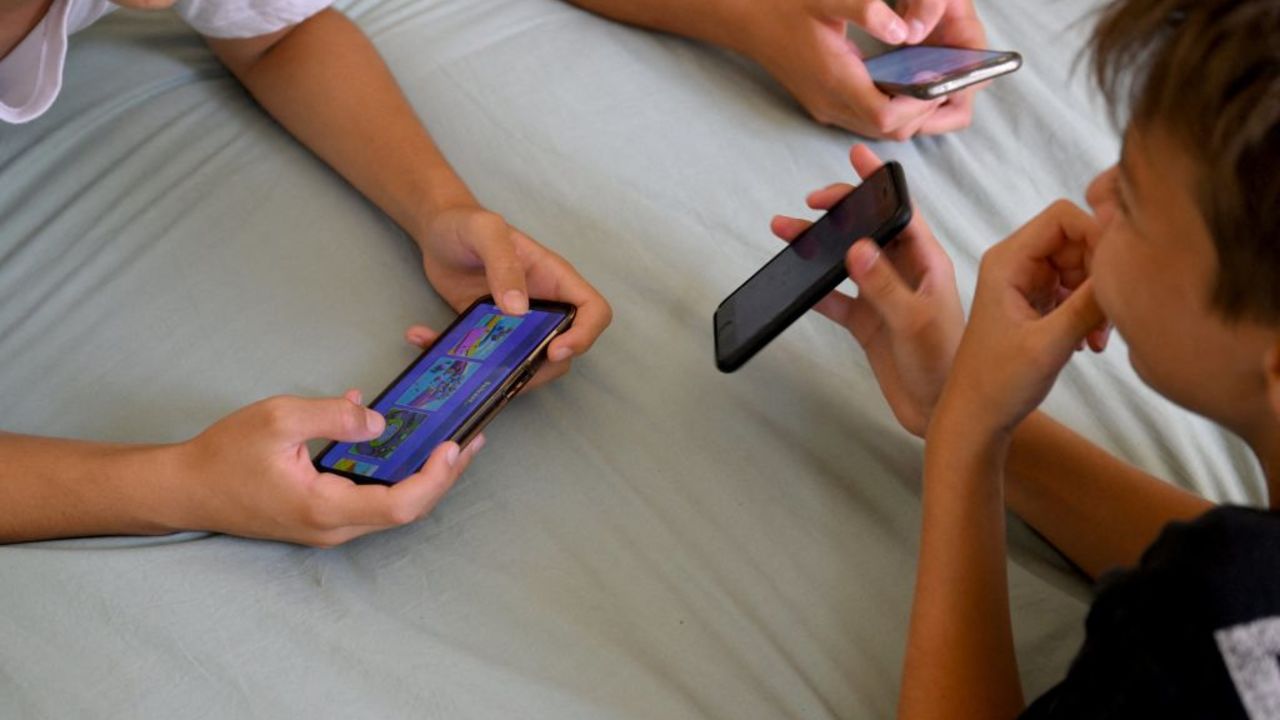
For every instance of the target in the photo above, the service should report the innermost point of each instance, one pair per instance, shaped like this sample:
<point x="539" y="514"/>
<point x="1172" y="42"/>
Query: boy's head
<point x="1188" y="267"/>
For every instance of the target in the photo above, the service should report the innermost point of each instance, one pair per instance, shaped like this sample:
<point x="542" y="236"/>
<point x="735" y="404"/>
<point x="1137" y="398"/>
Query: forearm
<point x="326" y="84"/>
<point x="1096" y="509"/>
<point x="960" y="656"/>
<point x="64" y="488"/>
<point x="719" y="22"/>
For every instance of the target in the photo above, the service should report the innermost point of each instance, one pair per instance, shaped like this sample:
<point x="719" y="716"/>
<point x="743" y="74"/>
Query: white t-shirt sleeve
<point x="246" y="18"/>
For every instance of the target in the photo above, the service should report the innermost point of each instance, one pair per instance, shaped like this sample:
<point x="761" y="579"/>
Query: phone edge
<point x="538" y="352"/>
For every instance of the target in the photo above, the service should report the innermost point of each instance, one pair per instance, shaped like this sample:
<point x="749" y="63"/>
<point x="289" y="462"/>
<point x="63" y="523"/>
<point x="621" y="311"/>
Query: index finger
<point x="922" y="17"/>
<point x="886" y="114"/>
<point x="1053" y="230"/>
<point x="593" y="312"/>
<point x="874" y="16"/>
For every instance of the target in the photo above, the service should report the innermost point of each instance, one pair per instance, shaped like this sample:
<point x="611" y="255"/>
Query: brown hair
<point x="1207" y="72"/>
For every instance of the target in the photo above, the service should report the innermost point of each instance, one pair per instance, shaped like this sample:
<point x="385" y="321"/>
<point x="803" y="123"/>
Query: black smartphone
<point x="810" y="267"/>
<point x="454" y="388"/>
<point x="928" y="72"/>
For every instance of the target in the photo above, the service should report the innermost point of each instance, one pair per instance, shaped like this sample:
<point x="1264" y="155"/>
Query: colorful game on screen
<point x="432" y="399"/>
<point x="923" y="64"/>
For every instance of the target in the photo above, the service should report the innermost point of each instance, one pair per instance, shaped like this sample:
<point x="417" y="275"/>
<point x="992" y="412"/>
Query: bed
<point x="646" y="538"/>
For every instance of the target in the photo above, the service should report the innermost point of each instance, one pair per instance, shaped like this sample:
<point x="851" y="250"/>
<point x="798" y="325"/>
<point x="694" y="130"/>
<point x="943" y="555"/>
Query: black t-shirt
<point x="1192" y="632"/>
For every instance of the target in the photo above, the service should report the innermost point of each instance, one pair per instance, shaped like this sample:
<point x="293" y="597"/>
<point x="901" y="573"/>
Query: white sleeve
<point x="246" y="18"/>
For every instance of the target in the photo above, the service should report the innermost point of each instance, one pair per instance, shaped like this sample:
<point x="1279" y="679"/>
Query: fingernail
<point x="562" y="354"/>
<point x="478" y="444"/>
<point x="516" y="302"/>
<point x="896" y="32"/>
<point x="451" y="455"/>
<point x="917" y="31"/>
<point x="864" y="257"/>
<point x="373" y="421"/>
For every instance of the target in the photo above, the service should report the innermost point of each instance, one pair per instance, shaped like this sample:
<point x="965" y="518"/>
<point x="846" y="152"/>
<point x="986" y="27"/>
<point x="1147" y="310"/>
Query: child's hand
<point x="250" y="474"/>
<point x="802" y="44"/>
<point x="907" y="315"/>
<point x="470" y="251"/>
<point x="1033" y="307"/>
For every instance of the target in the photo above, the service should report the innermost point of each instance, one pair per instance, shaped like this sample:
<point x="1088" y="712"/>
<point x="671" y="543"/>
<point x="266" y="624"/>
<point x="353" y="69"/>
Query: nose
<point x="1101" y="195"/>
<point x="1101" y="191"/>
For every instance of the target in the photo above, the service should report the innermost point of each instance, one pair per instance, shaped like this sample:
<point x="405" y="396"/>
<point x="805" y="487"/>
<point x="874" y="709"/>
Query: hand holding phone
<point x="930" y="72"/>
<point x="810" y="267"/>
<point x="458" y="384"/>
<point x="907" y="315"/>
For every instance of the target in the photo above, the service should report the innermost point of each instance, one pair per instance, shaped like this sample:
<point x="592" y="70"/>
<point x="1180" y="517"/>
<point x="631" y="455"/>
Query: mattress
<point x="645" y="538"/>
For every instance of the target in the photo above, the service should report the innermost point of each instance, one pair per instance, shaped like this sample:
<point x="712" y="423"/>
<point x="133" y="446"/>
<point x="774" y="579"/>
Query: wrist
<point x="443" y="192"/>
<point x="960" y="420"/>
<point x="171" y="503"/>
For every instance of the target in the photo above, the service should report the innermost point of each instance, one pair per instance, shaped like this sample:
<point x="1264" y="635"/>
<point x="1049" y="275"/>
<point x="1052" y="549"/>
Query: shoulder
<point x="1226" y="558"/>
<point x="1186" y="632"/>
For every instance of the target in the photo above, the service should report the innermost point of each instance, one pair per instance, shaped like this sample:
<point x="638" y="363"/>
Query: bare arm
<point x="705" y="20"/>
<point x="960" y="659"/>
<point x="802" y="44"/>
<point x="1098" y="510"/>
<point x="326" y="84"/>
<point x="66" y="488"/>
<point x="248" y="474"/>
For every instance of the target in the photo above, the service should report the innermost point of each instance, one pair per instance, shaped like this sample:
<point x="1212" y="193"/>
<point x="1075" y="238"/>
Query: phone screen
<point x="431" y="400"/>
<point x="922" y="64"/>
<point x="814" y="263"/>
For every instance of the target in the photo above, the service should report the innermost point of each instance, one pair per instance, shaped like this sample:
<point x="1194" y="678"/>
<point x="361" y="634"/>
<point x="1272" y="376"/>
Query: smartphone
<point x="928" y="72"/>
<point x="454" y="388"/>
<point x="810" y="267"/>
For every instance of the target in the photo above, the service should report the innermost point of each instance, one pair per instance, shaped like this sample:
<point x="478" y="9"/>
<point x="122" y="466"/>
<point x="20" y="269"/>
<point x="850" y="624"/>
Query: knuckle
<point x="1063" y="206"/>
<point x="317" y="516"/>
<point x="353" y="417"/>
<point x="882" y="123"/>
<point x="402" y="513"/>
<point x="275" y="412"/>
<point x="489" y="224"/>
<point x="821" y="114"/>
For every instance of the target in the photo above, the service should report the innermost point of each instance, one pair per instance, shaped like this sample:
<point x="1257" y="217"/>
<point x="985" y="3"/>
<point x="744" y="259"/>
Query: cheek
<point x="1128" y="298"/>
<point x="1106" y="269"/>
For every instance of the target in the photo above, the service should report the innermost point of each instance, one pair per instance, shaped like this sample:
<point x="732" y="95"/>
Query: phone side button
<point x="520" y="383"/>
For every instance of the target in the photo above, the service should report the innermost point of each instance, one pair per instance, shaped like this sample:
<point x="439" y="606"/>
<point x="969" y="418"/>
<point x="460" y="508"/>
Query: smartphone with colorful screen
<point x="810" y="267"/>
<point x="929" y="71"/>
<point x="454" y="388"/>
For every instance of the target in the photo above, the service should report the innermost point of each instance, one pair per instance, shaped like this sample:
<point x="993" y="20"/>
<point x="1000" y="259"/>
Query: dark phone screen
<point x="810" y="258"/>
<point x="922" y="65"/>
<point x="440" y="390"/>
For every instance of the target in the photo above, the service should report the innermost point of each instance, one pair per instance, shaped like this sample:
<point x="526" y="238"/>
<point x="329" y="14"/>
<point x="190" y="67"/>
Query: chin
<point x="1180" y="394"/>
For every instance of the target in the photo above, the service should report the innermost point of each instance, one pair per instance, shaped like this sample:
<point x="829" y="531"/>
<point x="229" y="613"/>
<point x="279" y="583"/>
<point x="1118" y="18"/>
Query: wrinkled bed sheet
<point x="646" y="538"/>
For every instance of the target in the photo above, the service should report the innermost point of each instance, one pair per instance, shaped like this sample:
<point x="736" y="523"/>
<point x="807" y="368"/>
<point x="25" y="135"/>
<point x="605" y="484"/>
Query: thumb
<point x="878" y="282"/>
<point x="295" y="420"/>
<point x="502" y="267"/>
<point x="922" y="17"/>
<point x="1074" y="319"/>
<point x="874" y="16"/>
